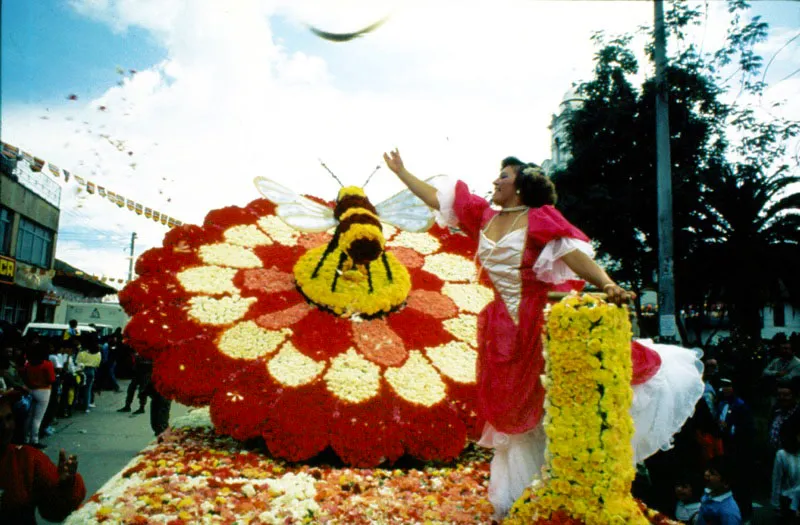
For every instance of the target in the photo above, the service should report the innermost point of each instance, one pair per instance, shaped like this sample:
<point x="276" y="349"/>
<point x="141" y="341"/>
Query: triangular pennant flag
<point x="139" y="209"/>
<point x="54" y="169"/>
<point x="37" y="165"/>
<point x="148" y="212"/>
<point x="131" y="205"/>
<point x="101" y="191"/>
<point x="9" y="151"/>
<point x="90" y="187"/>
<point x="80" y="180"/>
<point x="66" y="176"/>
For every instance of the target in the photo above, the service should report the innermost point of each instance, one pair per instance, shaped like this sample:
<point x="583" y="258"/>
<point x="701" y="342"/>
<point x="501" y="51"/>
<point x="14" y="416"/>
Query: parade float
<point x="334" y="366"/>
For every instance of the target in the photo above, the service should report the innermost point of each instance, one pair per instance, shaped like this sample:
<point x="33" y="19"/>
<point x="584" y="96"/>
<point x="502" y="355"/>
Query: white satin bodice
<point x="502" y="261"/>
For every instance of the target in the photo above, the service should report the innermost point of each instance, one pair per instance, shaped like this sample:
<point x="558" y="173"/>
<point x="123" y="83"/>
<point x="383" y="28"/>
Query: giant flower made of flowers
<point x="316" y="325"/>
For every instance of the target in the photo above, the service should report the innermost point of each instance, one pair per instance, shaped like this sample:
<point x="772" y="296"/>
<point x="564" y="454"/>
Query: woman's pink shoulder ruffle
<point x="470" y="209"/>
<point x="546" y="224"/>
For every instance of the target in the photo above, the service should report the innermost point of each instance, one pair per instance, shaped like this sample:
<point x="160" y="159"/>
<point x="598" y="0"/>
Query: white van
<point x="53" y="329"/>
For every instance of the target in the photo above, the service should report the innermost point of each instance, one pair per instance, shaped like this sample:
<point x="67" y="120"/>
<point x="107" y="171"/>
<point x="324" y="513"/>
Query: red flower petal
<point x="190" y="372"/>
<point x="189" y="236"/>
<point x="279" y="256"/>
<point x="312" y="240"/>
<point x="408" y="257"/>
<point x="422" y="280"/>
<point x="284" y="318"/>
<point x="158" y="261"/>
<point x="321" y="335"/>
<point x="298" y="426"/>
<point x="158" y="329"/>
<point x="268" y="281"/>
<point x="243" y="403"/>
<point x="365" y="435"/>
<point x="453" y="242"/>
<point x="272" y="303"/>
<point x="418" y="330"/>
<point x="377" y="342"/>
<point x="143" y="294"/>
<point x="434" y="432"/>
<point x="261" y="207"/>
<point x="434" y="304"/>
<point x="224" y="218"/>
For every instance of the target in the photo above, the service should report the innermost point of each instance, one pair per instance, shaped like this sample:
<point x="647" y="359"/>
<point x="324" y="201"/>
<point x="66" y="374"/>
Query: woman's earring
<point x="517" y="192"/>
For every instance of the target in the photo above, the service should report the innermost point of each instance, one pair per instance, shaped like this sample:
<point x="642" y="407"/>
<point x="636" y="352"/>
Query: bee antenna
<point x="370" y="176"/>
<point x="332" y="173"/>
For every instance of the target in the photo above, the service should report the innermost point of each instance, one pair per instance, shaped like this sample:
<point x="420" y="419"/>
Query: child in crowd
<point x="688" y="499"/>
<point x="717" y="506"/>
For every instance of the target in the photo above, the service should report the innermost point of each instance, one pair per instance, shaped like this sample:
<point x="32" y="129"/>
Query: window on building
<point x="34" y="243"/>
<point x="779" y="315"/>
<point x="6" y="216"/>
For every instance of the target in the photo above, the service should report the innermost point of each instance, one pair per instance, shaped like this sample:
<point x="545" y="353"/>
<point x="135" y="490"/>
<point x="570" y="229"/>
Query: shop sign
<point x="8" y="268"/>
<point x="51" y="298"/>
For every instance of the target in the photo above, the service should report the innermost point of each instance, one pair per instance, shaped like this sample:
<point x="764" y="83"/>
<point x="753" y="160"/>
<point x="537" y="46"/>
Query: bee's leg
<point x="369" y="277"/>
<point x="342" y="260"/>
<point x="328" y="249"/>
<point x="386" y="265"/>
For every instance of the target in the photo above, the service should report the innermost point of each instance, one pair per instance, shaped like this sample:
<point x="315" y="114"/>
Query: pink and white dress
<point x="523" y="267"/>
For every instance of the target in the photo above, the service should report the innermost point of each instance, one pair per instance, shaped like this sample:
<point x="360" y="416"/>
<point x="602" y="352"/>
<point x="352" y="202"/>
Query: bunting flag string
<point x="78" y="273"/>
<point x="92" y="188"/>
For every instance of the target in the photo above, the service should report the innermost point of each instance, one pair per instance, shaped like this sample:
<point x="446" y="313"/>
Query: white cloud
<point x="457" y="86"/>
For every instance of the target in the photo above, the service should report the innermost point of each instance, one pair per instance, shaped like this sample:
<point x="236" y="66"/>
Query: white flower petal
<point x="455" y="360"/>
<point x="291" y="368"/>
<point x="211" y="280"/>
<point x="450" y="267"/>
<point x="417" y="381"/>
<point x="278" y="230"/>
<point x="420" y="242"/>
<point x="353" y="378"/>
<point x="247" y="340"/>
<point x="470" y="298"/>
<point x="246" y="235"/>
<point x="464" y="328"/>
<point x="225" y="310"/>
<point x="224" y="254"/>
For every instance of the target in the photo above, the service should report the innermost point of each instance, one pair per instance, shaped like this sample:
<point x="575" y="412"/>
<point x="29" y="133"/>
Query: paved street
<point x="103" y="440"/>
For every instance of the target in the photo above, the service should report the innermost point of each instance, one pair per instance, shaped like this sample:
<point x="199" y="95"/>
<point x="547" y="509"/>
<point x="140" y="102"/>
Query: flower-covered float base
<point x="192" y="475"/>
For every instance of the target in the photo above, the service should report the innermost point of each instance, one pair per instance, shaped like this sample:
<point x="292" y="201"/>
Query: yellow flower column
<point x="589" y="460"/>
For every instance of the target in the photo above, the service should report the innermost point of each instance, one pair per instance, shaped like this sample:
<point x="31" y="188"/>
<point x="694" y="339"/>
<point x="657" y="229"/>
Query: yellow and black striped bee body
<point x="358" y="234"/>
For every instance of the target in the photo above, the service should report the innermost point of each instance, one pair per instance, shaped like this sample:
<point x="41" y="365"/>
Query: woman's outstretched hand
<point x="394" y="162"/>
<point x="618" y="295"/>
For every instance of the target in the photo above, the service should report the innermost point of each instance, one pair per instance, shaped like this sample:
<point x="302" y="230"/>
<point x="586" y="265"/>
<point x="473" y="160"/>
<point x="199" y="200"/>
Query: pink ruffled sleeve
<point x="546" y="224"/>
<point x="555" y="237"/>
<point x="458" y="207"/>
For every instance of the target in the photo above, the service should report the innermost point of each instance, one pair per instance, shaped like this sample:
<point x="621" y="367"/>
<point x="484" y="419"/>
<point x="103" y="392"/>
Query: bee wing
<point x="406" y="211"/>
<point x="295" y="210"/>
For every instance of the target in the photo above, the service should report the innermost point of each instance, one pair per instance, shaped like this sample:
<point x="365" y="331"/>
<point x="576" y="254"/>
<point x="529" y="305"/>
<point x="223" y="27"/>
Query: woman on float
<point x="527" y="249"/>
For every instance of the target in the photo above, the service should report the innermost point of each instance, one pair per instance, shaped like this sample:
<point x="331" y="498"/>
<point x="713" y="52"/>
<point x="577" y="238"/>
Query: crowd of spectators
<point x="741" y="444"/>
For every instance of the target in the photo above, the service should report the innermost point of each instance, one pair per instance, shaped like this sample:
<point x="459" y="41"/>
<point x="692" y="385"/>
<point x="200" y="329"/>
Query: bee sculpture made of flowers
<point x="317" y="324"/>
<point x="352" y="274"/>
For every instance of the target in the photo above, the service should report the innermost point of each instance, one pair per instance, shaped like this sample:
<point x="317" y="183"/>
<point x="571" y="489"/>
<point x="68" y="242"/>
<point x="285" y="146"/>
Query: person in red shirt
<point x="39" y="376"/>
<point x="30" y="481"/>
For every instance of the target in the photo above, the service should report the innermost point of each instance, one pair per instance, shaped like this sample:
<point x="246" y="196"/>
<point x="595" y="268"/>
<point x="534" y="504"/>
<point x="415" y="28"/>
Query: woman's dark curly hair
<point x="535" y="188"/>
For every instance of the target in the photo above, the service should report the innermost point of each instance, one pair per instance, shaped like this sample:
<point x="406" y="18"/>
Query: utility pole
<point x="130" y="263"/>
<point x="668" y="329"/>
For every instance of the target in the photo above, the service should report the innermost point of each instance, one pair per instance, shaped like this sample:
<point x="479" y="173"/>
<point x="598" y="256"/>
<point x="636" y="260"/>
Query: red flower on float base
<point x="217" y="309"/>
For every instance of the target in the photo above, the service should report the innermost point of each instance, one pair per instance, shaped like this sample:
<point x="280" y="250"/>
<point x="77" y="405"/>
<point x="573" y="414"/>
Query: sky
<point x="179" y="104"/>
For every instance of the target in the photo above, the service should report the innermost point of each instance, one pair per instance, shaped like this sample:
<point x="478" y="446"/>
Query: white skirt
<point x="660" y="408"/>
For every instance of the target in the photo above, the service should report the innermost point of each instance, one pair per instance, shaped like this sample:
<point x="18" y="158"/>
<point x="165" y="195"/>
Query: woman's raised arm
<point x="418" y="187"/>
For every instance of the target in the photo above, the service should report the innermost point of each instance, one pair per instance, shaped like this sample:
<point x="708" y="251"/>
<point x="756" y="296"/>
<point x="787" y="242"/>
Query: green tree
<point x="735" y="216"/>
